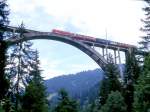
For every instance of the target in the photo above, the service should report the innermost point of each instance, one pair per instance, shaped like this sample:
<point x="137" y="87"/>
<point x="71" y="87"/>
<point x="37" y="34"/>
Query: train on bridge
<point x="91" y="39"/>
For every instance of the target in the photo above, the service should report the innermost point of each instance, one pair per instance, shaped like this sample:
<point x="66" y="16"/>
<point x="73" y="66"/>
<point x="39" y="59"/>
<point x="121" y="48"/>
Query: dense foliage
<point x="110" y="81"/>
<point x="142" y="88"/>
<point x="34" y="98"/>
<point x="66" y="104"/>
<point x="4" y="83"/>
<point x="146" y="28"/>
<point x="3" y="18"/>
<point x="142" y="92"/>
<point x="114" y="103"/>
<point x="20" y="63"/>
<point x="131" y="74"/>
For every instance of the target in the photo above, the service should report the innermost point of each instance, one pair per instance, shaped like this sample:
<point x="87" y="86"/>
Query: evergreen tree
<point x="3" y="18"/>
<point x="146" y="28"/>
<point x="142" y="92"/>
<point x="34" y="99"/>
<point x="95" y="106"/>
<point x="132" y="71"/>
<point x="65" y="103"/>
<point x="86" y="108"/>
<point x="91" y="107"/>
<point x="142" y="88"/>
<point x="110" y="81"/>
<point x="4" y="83"/>
<point x="19" y="67"/>
<point x="8" y="105"/>
<point x="114" y="103"/>
<point x="104" y="91"/>
<point x="1" y="109"/>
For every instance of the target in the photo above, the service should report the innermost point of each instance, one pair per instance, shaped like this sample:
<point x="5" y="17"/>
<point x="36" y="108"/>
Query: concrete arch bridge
<point x="86" y="44"/>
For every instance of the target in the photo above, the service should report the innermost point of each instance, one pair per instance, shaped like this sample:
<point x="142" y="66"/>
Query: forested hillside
<point x="78" y="86"/>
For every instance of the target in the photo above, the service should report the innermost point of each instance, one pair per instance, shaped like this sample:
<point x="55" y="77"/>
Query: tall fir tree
<point x="3" y="18"/>
<point x="19" y="67"/>
<point x="142" y="88"/>
<point x="35" y="93"/>
<point x="114" y="103"/>
<point x="4" y="83"/>
<point x="142" y="92"/>
<point x="104" y="91"/>
<point x="131" y="74"/>
<point x="110" y="81"/>
<point x="145" y="45"/>
<point x="66" y="104"/>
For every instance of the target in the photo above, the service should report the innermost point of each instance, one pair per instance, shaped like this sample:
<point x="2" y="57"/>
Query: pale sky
<point x="121" y="18"/>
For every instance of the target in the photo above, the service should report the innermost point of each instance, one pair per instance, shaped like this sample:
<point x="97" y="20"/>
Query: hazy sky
<point x="121" y="18"/>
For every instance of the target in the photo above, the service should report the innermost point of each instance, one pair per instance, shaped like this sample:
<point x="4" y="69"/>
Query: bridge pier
<point x="14" y="31"/>
<point x="115" y="57"/>
<point x="103" y="53"/>
<point x="107" y="52"/>
<point x="93" y="46"/>
<point x="120" y="67"/>
<point x="119" y="56"/>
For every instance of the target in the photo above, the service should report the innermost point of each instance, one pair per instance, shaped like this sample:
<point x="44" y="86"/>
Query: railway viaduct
<point x="86" y="47"/>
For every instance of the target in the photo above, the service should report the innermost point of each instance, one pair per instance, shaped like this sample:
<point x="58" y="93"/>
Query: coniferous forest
<point x="22" y="87"/>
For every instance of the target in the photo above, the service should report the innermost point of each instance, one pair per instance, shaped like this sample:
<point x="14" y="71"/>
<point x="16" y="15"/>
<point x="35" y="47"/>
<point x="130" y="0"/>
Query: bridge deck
<point x="139" y="52"/>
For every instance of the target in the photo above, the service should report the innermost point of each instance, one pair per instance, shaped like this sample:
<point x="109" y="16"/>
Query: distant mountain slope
<point x="77" y="85"/>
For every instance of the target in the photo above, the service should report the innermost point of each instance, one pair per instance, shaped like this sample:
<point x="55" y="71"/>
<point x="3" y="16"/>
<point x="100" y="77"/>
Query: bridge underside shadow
<point x="98" y="58"/>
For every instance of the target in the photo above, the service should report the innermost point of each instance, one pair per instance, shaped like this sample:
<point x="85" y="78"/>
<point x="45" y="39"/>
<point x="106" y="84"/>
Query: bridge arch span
<point x="49" y="36"/>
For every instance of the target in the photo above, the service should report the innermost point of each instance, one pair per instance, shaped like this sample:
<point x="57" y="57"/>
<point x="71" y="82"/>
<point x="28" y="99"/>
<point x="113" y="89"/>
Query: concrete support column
<point x="93" y="46"/>
<point x="120" y="67"/>
<point x="13" y="33"/>
<point x="115" y="57"/>
<point x="106" y="53"/>
<point x="103" y="53"/>
<point x="119" y="56"/>
<point x="14" y="30"/>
